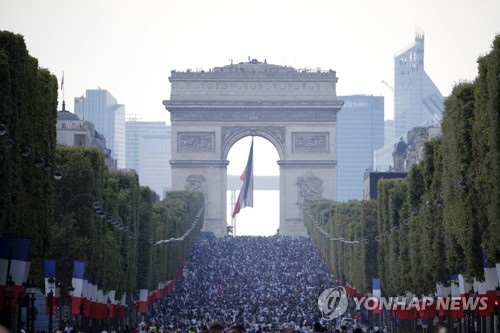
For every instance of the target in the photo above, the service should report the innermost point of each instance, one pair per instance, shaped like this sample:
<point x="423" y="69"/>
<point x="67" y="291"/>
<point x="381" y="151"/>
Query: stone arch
<point x="232" y="134"/>
<point x="294" y="110"/>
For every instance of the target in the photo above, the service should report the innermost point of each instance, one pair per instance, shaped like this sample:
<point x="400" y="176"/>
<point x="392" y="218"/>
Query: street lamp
<point x="108" y="306"/>
<point x="450" y="324"/>
<point x="497" y="307"/>
<point x="62" y="284"/>
<point x="30" y="310"/>
<point x="9" y="291"/>
<point x="71" y="290"/>
<point x="82" y="314"/>
<point x="64" y="307"/>
<point x="472" y="295"/>
<point x="117" y="316"/>
<point x="3" y="129"/>
<point x="50" y="300"/>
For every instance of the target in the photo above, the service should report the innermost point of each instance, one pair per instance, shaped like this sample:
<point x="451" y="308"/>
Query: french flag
<point x="82" y="307"/>
<point x="143" y="300"/>
<point x="4" y="257"/>
<point x="4" y="262"/>
<point x="50" y="271"/>
<point x="77" y="282"/>
<point x="377" y="292"/>
<point x="92" y="292"/>
<point x="245" y="198"/>
<point x="19" y="263"/>
<point x="19" y="266"/>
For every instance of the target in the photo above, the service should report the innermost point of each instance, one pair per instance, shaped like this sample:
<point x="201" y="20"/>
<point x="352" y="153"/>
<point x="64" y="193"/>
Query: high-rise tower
<point x="102" y="109"/>
<point x="149" y="153"/>
<point x="417" y="100"/>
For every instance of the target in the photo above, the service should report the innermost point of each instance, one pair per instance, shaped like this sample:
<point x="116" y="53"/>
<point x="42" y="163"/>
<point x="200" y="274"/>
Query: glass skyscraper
<point x="417" y="100"/>
<point x="149" y="153"/>
<point x="101" y="108"/>
<point x="360" y="131"/>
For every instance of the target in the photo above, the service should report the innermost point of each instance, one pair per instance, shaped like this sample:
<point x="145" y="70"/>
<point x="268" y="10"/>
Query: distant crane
<point x="133" y="117"/>
<point x="387" y="85"/>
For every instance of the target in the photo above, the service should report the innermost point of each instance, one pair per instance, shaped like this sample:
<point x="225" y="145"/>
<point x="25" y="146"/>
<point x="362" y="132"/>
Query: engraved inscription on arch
<point x="195" y="142"/>
<point x="253" y="114"/>
<point x="311" y="142"/>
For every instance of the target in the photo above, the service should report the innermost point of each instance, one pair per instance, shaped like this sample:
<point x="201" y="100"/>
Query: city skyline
<point x="131" y="51"/>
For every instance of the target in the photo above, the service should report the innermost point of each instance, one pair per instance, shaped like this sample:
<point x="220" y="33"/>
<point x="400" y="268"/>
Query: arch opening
<point x="264" y="218"/>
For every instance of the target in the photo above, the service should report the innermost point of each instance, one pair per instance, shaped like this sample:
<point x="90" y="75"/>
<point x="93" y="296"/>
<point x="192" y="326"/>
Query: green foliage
<point x="28" y="103"/>
<point x="58" y="216"/>
<point x="486" y="150"/>
<point x="111" y="255"/>
<point x="354" y="221"/>
<point x="445" y="215"/>
<point x="173" y="218"/>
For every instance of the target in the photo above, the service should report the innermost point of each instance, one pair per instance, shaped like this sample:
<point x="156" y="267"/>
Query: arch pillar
<point x="301" y="180"/>
<point x="210" y="178"/>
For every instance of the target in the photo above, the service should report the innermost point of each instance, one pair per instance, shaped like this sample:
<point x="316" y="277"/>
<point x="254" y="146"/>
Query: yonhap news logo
<point x="333" y="302"/>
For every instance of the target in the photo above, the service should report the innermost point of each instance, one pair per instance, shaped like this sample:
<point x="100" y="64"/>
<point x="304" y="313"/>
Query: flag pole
<point x="62" y="88"/>
<point x="233" y="203"/>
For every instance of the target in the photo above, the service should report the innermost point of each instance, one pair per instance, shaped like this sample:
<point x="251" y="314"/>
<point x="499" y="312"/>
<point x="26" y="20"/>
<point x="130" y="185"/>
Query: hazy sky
<point x="130" y="47"/>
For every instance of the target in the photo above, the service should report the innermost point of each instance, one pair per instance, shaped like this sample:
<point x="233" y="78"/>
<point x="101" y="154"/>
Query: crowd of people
<point x="260" y="283"/>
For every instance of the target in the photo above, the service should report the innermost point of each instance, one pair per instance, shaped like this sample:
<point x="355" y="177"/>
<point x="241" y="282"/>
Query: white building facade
<point x="149" y="152"/>
<point x="101" y="108"/>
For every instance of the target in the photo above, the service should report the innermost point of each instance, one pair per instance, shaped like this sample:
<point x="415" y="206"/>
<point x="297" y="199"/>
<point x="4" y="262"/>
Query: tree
<point x="28" y="106"/>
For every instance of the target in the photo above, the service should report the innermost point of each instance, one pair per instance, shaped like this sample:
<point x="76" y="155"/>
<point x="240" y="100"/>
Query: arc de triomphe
<point x="294" y="109"/>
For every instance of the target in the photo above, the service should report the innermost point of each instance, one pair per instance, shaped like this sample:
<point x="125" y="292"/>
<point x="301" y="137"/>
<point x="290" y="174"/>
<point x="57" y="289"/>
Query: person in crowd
<point x="261" y="282"/>
<point x="440" y="328"/>
<point x="216" y="327"/>
<point x="238" y="328"/>
<point x="288" y="328"/>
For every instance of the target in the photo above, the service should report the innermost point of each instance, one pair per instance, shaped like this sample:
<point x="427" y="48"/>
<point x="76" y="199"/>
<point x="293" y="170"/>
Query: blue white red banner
<point x="245" y="198"/>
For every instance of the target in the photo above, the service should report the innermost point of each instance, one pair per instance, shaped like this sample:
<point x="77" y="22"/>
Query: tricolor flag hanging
<point x="245" y="198"/>
<point x="77" y="282"/>
<point x="19" y="263"/>
<point x="377" y="292"/>
<point x="50" y="271"/>
<point x="5" y="241"/>
<point x="143" y="300"/>
<point x="62" y="82"/>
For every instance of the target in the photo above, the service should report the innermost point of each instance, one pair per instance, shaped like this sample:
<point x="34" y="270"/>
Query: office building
<point x="102" y="109"/>
<point x="149" y="152"/>
<point x="417" y="100"/>
<point x="388" y="131"/>
<point x="360" y="131"/>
